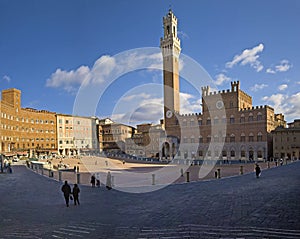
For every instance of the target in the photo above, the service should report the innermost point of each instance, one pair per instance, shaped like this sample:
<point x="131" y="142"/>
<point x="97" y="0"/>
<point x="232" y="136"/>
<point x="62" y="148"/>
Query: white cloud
<point x="143" y="108"/>
<point x="221" y="78"/>
<point x="68" y="80"/>
<point x="136" y="97"/>
<point x="277" y="101"/>
<point x="293" y="111"/>
<point x="270" y="71"/>
<point x="182" y="35"/>
<point x="105" y="68"/>
<point x="248" y="56"/>
<point x="6" y="78"/>
<point x="257" y="87"/>
<point x="282" y="87"/>
<point x="288" y="105"/>
<point x="148" y="109"/>
<point x="189" y="103"/>
<point x="283" y="66"/>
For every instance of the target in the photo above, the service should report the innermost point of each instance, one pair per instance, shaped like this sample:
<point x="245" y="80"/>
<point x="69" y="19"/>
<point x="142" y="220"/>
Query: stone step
<point x="79" y="230"/>
<point x="203" y="231"/>
<point x="99" y="230"/>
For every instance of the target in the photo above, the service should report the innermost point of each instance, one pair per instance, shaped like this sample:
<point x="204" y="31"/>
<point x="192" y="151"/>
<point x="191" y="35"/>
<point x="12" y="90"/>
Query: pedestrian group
<point x="73" y="194"/>
<point x="70" y="194"/>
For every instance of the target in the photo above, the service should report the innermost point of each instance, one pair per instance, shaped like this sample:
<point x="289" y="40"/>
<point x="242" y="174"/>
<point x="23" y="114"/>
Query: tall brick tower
<point x="170" y="47"/>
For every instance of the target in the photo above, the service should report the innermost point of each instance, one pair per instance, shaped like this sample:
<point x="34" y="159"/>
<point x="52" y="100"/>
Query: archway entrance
<point x="166" y="150"/>
<point x="169" y="148"/>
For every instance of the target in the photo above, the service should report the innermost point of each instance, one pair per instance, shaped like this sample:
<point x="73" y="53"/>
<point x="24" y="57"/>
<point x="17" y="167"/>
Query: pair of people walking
<point x="66" y="189"/>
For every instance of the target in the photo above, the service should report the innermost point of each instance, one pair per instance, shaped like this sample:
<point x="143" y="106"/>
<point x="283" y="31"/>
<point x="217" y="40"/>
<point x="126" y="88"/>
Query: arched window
<point x="231" y="119"/>
<point x="216" y="120"/>
<point x="216" y="138"/>
<point x="200" y="139"/>
<point x="259" y="153"/>
<point x="192" y="139"/>
<point x="243" y="137"/>
<point x="243" y="153"/>
<point x="192" y="122"/>
<point x="200" y="121"/>
<point x="259" y="137"/>
<point x="242" y="120"/>
<point x="259" y="116"/>
<point x="216" y="153"/>
<point x="232" y="153"/>
<point x="208" y="121"/>
<point x="224" y="153"/>
<point x="208" y="138"/>
<point x="251" y="138"/>
<point x="250" y="118"/>
<point x="224" y="137"/>
<point x="184" y="123"/>
<point x="232" y="138"/>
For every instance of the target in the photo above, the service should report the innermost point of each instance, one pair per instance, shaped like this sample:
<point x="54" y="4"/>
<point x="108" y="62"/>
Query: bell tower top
<point x="170" y="43"/>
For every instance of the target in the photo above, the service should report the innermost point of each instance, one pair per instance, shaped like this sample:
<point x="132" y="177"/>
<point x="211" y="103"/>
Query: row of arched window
<point x="232" y="138"/>
<point x="232" y="120"/>
<point x="224" y="154"/>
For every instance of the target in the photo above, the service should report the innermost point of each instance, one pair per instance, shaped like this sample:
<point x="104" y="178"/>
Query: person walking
<point x="257" y="171"/>
<point x="93" y="180"/>
<point x="66" y="189"/>
<point x="75" y="193"/>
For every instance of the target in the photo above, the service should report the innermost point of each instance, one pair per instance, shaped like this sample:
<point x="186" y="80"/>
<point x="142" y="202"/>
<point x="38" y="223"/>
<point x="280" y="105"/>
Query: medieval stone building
<point x="229" y="127"/>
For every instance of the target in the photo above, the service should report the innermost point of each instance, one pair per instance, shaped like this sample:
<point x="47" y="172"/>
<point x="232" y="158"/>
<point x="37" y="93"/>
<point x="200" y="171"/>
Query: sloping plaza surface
<point x="32" y="206"/>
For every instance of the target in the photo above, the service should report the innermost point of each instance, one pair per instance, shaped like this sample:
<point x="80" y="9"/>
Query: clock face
<point x="169" y="114"/>
<point x="219" y="104"/>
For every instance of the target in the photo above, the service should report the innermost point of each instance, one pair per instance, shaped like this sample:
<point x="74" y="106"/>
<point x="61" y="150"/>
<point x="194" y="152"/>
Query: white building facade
<point x="76" y="135"/>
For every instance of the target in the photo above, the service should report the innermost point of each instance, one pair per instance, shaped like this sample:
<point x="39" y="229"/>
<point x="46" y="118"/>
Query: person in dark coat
<point x="66" y="189"/>
<point x="93" y="180"/>
<point x="75" y="193"/>
<point x="98" y="183"/>
<point x="257" y="171"/>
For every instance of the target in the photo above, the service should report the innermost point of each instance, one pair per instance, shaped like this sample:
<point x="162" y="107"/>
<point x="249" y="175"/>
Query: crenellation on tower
<point x="205" y="90"/>
<point x="235" y="86"/>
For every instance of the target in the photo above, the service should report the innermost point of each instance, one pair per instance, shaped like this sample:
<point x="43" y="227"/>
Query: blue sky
<point x="48" y="49"/>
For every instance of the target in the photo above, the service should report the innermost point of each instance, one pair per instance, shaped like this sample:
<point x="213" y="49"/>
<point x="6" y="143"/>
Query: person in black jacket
<point x="257" y="170"/>
<point x="93" y="180"/>
<point x="75" y="193"/>
<point x="66" y="189"/>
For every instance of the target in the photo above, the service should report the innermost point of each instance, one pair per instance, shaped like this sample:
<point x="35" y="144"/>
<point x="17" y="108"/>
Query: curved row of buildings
<point x="228" y="128"/>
